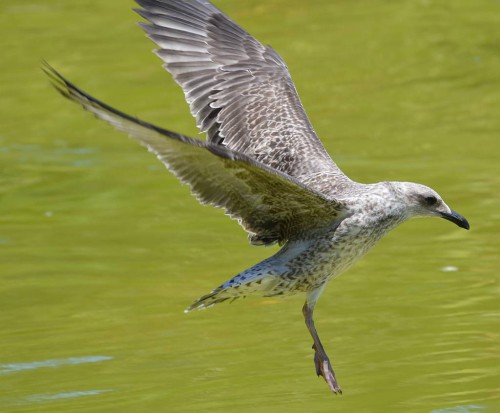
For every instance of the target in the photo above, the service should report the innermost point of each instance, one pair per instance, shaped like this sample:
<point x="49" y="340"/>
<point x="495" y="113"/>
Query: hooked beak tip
<point x="457" y="219"/>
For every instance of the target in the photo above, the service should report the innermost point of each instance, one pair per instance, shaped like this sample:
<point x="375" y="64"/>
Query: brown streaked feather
<point x="270" y="205"/>
<point x="239" y="91"/>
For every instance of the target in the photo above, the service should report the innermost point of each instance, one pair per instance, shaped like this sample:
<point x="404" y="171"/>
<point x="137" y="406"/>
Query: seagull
<point x="261" y="162"/>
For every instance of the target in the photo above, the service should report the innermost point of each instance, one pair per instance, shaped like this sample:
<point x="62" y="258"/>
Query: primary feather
<point x="239" y="91"/>
<point x="270" y="205"/>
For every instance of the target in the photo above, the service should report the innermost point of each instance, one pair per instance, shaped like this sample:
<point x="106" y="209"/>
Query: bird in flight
<point x="261" y="162"/>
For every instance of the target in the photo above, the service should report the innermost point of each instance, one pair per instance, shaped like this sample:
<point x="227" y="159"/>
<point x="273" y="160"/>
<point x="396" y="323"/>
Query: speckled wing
<point x="239" y="91"/>
<point x="270" y="205"/>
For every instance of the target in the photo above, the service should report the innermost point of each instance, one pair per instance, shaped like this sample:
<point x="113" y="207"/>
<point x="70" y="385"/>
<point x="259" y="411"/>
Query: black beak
<point x="456" y="218"/>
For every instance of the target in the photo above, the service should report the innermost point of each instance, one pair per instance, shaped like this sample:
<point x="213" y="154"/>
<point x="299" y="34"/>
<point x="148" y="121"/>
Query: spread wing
<point x="239" y="91"/>
<point x="270" y="205"/>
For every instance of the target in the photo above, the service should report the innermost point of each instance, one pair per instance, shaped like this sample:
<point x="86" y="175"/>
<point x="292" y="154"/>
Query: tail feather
<point x="217" y="296"/>
<point x="238" y="287"/>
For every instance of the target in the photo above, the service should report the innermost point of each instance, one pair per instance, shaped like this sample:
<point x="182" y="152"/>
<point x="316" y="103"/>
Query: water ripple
<point x="40" y="398"/>
<point x="15" y="367"/>
<point x="460" y="409"/>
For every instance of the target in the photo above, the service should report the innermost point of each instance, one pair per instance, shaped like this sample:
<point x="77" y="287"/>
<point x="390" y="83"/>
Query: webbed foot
<point x="324" y="369"/>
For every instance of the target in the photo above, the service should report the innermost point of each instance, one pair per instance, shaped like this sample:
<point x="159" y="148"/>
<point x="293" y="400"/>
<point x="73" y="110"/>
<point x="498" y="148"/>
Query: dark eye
<point x="431" y="200"/>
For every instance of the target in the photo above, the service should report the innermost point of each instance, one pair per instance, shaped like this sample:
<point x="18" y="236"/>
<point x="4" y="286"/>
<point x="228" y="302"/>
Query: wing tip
<point x="62" y="85"/>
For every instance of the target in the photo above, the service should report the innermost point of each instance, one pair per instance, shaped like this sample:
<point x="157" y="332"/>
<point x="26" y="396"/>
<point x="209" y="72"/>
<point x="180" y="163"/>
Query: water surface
<point x="101" y="249"/>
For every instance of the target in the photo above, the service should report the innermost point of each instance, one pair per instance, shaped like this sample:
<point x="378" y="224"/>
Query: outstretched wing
<point x="270" y="205"/>
<point x="239" y="91"/>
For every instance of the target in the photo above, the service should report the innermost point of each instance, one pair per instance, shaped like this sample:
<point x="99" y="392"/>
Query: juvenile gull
<point x="262" y="162"/>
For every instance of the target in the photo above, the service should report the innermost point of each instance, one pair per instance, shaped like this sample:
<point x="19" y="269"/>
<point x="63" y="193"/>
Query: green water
<point x="101" y="249"/>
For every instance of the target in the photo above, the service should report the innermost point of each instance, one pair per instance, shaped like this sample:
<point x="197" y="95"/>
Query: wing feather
<point x="239" y="91"/>
<point x="270" y="205"/>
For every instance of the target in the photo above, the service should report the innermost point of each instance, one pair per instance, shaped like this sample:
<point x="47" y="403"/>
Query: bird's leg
<point x="321" y="360"/>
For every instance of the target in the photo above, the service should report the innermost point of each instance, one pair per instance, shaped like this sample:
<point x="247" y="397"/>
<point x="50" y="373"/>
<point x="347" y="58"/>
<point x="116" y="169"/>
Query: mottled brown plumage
<point x="262" y="162"/>
<point x="239" y="91"/>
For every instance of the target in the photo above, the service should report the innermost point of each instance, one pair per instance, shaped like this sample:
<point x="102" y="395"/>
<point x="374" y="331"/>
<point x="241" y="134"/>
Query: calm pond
<point x="101" y="249"/>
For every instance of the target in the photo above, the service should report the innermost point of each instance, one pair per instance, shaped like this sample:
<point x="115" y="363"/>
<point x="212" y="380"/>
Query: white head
<point x="421" y="201"/>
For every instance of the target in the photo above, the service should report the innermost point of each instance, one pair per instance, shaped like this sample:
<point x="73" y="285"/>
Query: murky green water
<point x="101" y="249"/>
